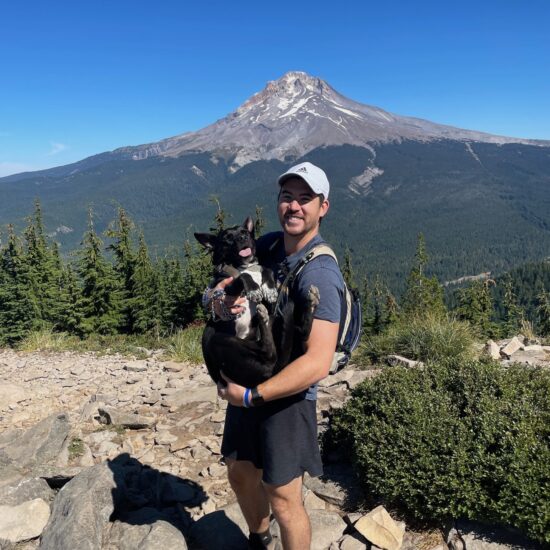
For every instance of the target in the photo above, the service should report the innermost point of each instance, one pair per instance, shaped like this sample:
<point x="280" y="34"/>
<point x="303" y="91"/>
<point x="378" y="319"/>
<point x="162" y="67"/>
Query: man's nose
<point x="294" y="204"/>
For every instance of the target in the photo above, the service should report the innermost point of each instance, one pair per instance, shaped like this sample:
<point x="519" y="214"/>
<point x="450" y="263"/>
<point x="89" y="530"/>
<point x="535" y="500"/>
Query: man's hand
<point x="233" y="304"/>
<point x="232" y="393"/>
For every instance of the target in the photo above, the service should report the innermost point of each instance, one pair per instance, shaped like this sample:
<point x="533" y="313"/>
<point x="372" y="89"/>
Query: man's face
<point x="299" y="208"/>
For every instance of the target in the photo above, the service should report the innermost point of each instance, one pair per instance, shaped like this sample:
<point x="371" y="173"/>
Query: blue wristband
<point x="246" y="398"/>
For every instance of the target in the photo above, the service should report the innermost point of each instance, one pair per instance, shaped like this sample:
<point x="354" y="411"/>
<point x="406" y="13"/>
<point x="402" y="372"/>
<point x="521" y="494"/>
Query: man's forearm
<point x="294" y="378"/>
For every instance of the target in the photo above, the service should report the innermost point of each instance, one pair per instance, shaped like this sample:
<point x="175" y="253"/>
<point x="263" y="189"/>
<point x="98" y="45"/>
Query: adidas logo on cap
<point x="302" y="169"/>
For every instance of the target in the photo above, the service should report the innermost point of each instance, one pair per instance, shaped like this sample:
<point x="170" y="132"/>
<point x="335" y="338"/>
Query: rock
<point x="182" y="397"/>
<point x="340" y="377"/>
<point x="11" y="393"/>
<point x="326" y="528"/>
<point x="400" y="361"/>
<point x="25" y="490"/>
<point x="353" y="542"/>
<point x="159" y="535"/>
<point x="136" y="366"/>
<point x="173" y="366"/>
<point x="25" y="521"/>
<point x="38" y="446"/>
<point x="225" y="528"/>
<point x="492" y="349"/>
<point x="358" y="377"/>
<point x="313" y="502"/>
<point x="110" y="415"/>
<point x="379" y="528"/>
<point x="515" y="344"/>
<point x="83" y="508"/>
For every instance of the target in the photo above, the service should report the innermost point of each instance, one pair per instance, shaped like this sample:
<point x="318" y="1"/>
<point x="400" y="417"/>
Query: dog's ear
<point x="249" y="224"/>
<point x="206" y="239"/>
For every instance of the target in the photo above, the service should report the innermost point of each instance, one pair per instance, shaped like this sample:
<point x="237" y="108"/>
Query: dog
<point x="251" y="347"/>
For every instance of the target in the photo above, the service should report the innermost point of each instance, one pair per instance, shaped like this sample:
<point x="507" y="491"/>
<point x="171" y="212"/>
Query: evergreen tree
<point x="43" y="267"/>
<point x="513" y="313"/>
<point x="423" y="295"/>
<point x="69" y="314"/>
<point x="543" y="311"/>
<point x="19" y="310"/>
<point x="100" y="302"/>
<point x="145" y="304"/>
<point x="124" y="265"/>
<point x="197" y="273"/>
<point x="219" y="216"/>
<point x="476" y="305"/>
<point x="347" y="269"/>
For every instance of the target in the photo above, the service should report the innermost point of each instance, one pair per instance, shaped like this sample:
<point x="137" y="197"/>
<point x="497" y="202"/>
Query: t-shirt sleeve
<point x="324" y="273"/>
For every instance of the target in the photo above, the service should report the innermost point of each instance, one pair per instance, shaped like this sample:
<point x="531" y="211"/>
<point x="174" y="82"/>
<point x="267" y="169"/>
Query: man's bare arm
<point x="307" y="369"/>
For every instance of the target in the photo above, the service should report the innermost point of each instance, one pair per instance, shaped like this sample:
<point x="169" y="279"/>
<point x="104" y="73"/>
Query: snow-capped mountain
<point x="298" y="113"/>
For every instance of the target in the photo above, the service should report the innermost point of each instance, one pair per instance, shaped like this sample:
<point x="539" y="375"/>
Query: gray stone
<point x="328" y="490"/>
<point x="38" y="446"/>
<point x="25" y="490"/>
<point x="159" y="535"/>
<point x="24" y="521"/>
<point x="82" y="509"/>
<point x="326" y="528"/>
<point x="225" y="528"/>
<point x="136" y="366"/>
<point x="197" y="395"/>
<point x="353" y="542"/>
<point x="400" y="361"/>
<point x="110" y="415"/>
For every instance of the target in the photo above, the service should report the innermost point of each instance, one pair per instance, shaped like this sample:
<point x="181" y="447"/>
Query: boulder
<point x="110" y="415"/>
<point x="158" y="535"/>
<point x="83" y="508"/>
<point x="36" y="447"/>
<point x="24" y="521"/>
<point x="515" y="344"/>
<point x="380" y="529"/>
<point x="326" y="527"/>
<point x="179" y="398"/>
<point x="25" y="490"/>
<point x="492" y="349"/>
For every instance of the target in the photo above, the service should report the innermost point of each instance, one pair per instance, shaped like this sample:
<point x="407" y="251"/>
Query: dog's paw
<point x="263" y="314"/>
<point x="254" y="295"/>
<point x="270" y="294"/>
<point x="313" y="296"/>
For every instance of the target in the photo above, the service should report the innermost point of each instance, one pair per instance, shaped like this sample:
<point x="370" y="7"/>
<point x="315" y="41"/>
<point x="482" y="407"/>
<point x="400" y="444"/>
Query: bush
<point x="428" y="338"/>
<point x="185" y="345"/>
<point x="455" y="440"/>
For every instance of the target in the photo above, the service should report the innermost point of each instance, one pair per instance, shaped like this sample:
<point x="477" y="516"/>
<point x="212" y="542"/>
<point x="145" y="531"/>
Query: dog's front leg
<point x="266" y="334"/>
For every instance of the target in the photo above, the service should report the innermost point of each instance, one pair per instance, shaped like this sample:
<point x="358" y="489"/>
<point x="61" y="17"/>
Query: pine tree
<point x="43" y="267"/>
<point x="124" y="265"/>
<point x="347" y="269"/>
<point x="69" y="314"/>
<point x="543" y="312"/>
<point x="513" y="313"/>
<point x="145" y="305"/>
<point x="476" y="305"/>
<point x="19" y="310"/>
<point x="219" y="216"/>
<point x="259" y="222"/>
<point x="197" y="273"/>
<point x="100" y="302"/>
<point x="423" y="295"/>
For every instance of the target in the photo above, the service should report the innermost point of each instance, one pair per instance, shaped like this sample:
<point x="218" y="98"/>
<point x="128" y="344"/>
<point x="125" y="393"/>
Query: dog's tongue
<point x="245" y="252"/>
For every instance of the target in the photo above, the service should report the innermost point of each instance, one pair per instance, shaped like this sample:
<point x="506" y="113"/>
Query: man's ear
<point x="249" y="224"/>
<point x="206" y="239"/>
<point x="325" y="205"/>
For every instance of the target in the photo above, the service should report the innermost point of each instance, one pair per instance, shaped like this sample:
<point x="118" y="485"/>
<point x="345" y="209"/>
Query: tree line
<point x="116" y="287"/>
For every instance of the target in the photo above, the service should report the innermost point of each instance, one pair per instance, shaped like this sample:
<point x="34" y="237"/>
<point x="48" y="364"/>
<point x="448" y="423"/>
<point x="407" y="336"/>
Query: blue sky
<point x="79" y="78"/>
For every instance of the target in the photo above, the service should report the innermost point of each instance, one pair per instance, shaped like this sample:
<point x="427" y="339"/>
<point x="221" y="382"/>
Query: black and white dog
<point x="251" y="347"/>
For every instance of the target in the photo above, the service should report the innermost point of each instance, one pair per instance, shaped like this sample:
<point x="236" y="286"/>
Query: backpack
<point x="350" y="330"/>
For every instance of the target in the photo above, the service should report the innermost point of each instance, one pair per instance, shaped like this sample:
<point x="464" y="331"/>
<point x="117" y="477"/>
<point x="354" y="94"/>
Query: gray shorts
<point x="279" y="438"/>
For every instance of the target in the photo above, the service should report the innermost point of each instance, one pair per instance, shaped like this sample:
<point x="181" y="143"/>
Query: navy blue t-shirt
<point x="322" y="271"/>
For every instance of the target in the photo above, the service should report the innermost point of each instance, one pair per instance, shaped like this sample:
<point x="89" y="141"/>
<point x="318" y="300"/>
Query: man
<point x="270" y="436"/>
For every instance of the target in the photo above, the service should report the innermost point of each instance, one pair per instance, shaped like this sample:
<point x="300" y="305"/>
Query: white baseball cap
<point x="311" y="174"/>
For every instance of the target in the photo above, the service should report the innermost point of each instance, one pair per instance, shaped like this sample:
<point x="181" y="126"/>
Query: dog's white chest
<point x="244" y="322"/>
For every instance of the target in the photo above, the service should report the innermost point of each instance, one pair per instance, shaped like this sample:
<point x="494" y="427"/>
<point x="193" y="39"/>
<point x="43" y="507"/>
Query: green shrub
<point x="428" y="338"/>
<point x="185" y="345"/>
<point x="453" y="440"/>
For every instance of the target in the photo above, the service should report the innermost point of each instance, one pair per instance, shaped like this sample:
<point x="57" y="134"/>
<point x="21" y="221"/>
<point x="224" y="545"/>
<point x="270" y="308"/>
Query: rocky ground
<point x="107" y="452"/>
